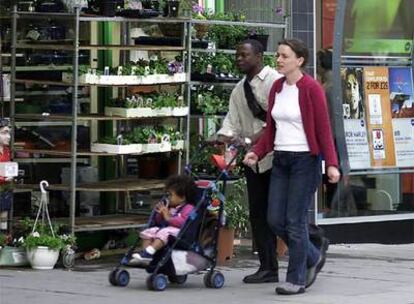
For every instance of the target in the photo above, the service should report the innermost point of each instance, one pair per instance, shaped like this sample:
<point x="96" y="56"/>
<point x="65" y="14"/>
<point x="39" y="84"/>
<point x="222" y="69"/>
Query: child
<point x="170" y="216"/>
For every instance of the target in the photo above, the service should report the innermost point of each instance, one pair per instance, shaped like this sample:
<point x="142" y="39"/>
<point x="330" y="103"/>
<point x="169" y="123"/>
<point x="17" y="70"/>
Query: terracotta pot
<point x="225" y="245"/>
<point x="149" y="167"/>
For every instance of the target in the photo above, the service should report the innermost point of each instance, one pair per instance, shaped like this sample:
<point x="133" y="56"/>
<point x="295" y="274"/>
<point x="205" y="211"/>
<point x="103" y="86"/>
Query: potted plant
<point x="236" y="219"/>
<point x="44" y="243"/>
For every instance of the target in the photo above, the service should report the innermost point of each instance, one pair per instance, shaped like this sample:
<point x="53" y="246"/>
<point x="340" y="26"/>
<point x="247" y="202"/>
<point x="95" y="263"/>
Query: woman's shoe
<point x="289" y="289"/>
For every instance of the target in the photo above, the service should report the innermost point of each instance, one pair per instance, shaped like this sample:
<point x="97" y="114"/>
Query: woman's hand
<point x="250" y="159"/>
<point x="333" y="174"/>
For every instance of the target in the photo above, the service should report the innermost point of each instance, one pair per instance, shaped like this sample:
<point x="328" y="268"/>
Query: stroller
<point x="194" y="249"/>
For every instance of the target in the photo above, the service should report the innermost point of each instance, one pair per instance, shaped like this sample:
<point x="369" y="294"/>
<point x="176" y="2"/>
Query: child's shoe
<point x="143" y="256"/>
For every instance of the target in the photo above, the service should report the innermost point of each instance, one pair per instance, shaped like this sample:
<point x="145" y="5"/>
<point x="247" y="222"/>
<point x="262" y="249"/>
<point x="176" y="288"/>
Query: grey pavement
<point x="353" y="274"/>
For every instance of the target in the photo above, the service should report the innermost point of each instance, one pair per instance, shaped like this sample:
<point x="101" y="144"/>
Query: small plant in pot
<point x="43" y="246"/>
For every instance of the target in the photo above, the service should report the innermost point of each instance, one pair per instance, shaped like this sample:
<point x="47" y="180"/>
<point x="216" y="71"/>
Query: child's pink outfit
<point x="178" y="214"/>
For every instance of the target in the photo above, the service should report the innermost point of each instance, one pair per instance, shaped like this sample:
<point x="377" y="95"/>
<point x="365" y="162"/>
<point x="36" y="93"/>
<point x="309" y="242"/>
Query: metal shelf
<point x="224" y="51"/>
<point x="80" y="152"/>
<point x="249" y="24"/>
<point x="37" y="68"/>
<point x="108" y="222"/>
<point x="85" y="117"/>
<point x="116" y="185"/>
<point x="66" y="46"/>
<point x="223" y="84"/>
<point x="50" y="160"/>
<point x="84" y="17"/>
<point x="67" y="84"/>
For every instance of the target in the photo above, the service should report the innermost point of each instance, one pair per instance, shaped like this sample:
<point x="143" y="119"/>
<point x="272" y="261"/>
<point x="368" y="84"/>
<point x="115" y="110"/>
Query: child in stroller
<point x="193" y="249"/>
<point x="170" y="215"/>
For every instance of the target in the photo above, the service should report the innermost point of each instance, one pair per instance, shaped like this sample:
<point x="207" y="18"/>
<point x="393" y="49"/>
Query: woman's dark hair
<point x="298" y="47"/>
<point x="184" y="186"/>
<point x="256" y="45"/>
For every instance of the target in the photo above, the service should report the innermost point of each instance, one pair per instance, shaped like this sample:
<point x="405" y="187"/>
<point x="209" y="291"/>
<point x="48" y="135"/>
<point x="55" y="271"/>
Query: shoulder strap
<point x="252" y="102"/>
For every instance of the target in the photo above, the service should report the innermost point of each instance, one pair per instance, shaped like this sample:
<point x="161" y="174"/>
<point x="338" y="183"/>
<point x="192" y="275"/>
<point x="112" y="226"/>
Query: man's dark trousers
<point x="265" y="240"/>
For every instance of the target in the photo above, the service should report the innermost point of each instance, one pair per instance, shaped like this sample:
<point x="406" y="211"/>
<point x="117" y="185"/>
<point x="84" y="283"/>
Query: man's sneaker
<point x="289" y="289"/>
<point x="315" y="269"/>
<point x="143" y="256"/>
<point x="262" y="276"/>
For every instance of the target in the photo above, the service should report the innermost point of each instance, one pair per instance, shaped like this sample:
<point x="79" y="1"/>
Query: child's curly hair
<point x="184" y="186"/>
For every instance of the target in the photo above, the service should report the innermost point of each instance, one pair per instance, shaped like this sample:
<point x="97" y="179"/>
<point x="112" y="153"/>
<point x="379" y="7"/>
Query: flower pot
<point x="201" y="30"/>
<point x="225" y="245"/>
<point x="13" y="256"/>
<point x="173" y="6"/>
<point x="42" y="257"/>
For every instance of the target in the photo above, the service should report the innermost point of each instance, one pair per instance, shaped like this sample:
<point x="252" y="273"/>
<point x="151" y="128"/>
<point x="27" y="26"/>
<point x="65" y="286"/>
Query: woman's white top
<point x="290" y="135"/>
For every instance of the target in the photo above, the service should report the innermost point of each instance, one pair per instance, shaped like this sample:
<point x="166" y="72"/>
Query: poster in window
<point x="356" y="137"/>
<point x="353" y="98"/>
<point x="380" y="130"/>
<point x="402" y="108"/>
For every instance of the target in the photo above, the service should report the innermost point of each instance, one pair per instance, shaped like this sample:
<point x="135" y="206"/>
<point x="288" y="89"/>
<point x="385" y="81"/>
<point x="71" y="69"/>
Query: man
<point x="245" y="119"/>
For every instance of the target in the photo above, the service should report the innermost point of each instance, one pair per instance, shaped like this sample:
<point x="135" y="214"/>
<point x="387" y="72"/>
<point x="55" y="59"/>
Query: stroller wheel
<point x="216" y="279"/>
<point x="112" y="275"/>
<point x="122" y="277"/>
<point x="159" y="282"/>
<point x="178" y="279"/>
<point x="149" y="282"/>
<point x="207" y="279"/>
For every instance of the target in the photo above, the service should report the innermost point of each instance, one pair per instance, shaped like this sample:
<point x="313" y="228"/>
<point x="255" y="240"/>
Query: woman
<point x="299" y="114"/>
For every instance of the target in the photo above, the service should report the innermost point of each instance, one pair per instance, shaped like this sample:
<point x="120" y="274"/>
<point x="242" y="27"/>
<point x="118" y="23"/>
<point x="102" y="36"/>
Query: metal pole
<point x="13" y="78"/>
<point x="74" y="124"/>
<point x="188" y="76"/>
<point x="337" y="87"/>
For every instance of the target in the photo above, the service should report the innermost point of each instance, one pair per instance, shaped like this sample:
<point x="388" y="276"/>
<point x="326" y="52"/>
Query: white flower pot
<point x="42" y="257"/>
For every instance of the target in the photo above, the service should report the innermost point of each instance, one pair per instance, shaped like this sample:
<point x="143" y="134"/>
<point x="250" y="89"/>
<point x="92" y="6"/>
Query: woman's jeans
<point x="295" y="177"/>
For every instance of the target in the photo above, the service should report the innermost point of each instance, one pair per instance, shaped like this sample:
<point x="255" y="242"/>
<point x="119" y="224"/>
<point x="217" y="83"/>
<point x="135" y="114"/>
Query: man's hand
<point x="250" y="159"/>
<point x="333" y="174"/>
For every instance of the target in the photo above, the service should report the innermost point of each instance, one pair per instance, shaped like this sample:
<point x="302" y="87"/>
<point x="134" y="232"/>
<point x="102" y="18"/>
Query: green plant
<point x="269" y="60"/>
<point x="43" y="236"/>
<point x="228" y="36"/>
<point x="36" y="239"/>
<point x="209" y="103"/>
<point x="4" y="239"/>
<point x="235" y="207"/>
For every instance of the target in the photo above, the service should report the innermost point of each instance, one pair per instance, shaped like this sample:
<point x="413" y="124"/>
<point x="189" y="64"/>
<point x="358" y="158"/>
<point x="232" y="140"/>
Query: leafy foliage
<point x="236" y="210"/>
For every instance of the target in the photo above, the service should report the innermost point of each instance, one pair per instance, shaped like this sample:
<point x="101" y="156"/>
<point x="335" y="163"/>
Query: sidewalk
<point x="353" y="274"/>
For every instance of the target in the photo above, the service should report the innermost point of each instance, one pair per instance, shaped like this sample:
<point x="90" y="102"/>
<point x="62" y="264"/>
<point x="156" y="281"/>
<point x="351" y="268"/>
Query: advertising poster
<point x="356" y="136"/>
<point x="379" y="117"/>
<point x="353" y="93"/>
<point x="357" y="144"/>
<point x="402" y="109"/>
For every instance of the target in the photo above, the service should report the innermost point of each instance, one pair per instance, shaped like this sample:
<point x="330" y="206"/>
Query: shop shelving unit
<point x="73" y="120"/>
<point x="282" y="26"/>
